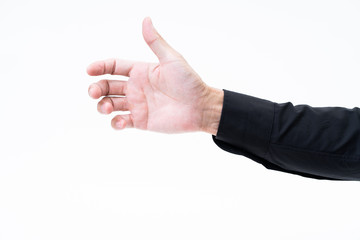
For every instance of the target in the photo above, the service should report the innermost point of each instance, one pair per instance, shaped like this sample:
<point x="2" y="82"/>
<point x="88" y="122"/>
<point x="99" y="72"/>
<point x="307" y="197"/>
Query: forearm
<point x="313" y="142"/>
<point x="320" y="141"/>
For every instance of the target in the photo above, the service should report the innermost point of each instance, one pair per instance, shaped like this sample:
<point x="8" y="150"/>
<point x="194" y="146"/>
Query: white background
<point x="65" y="174"/>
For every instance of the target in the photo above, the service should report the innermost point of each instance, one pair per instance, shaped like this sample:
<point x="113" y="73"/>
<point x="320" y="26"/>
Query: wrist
<point x="211" y="111"/>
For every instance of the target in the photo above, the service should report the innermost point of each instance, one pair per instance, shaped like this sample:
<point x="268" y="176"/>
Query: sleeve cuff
<point x="245" y="124"/>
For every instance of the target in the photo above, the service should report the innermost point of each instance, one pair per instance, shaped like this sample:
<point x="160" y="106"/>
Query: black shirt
<point x="322" y="143"/>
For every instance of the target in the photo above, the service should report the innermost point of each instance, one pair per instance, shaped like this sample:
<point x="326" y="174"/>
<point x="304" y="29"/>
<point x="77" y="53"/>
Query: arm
<point x="170" y="97"/>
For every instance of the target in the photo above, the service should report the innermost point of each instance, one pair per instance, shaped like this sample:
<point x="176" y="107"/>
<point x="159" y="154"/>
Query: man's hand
<point x="165" y="97"/>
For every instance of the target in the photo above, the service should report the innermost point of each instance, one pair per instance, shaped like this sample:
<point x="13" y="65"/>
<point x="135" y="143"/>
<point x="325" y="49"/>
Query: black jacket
<point x="322" y="143"/>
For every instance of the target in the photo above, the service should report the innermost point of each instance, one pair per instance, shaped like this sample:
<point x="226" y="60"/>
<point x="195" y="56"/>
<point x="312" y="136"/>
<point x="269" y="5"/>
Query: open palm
<point x="166" y="97"/>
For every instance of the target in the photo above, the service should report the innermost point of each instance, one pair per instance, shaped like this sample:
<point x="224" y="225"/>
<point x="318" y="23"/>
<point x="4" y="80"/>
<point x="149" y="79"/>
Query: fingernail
<point x="103" y="108"/>
<point x="119" y="124"/>
<point x="91" y="91"/>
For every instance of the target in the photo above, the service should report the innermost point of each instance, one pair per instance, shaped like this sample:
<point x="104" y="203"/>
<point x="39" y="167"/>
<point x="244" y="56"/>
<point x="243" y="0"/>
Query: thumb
<point x="158" y="45"/>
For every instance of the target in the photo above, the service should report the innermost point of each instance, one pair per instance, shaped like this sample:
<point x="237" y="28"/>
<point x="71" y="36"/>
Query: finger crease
<point x="107" y="88"/>
<point x="114" y="67"/>
<point x="112" y="103"/>
<point x="104" y="68"/>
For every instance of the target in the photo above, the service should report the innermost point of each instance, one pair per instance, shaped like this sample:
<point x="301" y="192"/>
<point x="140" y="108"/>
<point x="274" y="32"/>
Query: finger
<point x="122" y="121"/>
<point x="110" y="66"/>
<point x="107" y="87"/>
<point x="109" y="104"/>
<point x="158" y="45"/>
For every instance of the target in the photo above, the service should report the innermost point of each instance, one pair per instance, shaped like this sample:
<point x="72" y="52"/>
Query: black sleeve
<point x="322" y="143"/>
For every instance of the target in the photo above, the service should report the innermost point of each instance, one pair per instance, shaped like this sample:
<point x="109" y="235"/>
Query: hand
<point x="165" y="97"/>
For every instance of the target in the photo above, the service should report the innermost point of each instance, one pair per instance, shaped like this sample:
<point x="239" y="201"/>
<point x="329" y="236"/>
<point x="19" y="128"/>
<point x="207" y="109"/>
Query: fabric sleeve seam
<point x="332" y="155"/>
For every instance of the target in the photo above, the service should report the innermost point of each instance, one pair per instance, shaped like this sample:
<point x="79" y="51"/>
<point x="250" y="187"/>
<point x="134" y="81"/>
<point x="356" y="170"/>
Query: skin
<point x="168" y="96"/>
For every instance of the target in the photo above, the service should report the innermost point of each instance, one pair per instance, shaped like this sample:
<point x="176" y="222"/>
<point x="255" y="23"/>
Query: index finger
<point x="110" y="66"/>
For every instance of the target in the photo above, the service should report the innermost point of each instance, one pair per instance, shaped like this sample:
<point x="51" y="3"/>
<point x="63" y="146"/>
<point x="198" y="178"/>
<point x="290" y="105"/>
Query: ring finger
<point x="109" y="104"/>
<point x="107" y="87"/>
